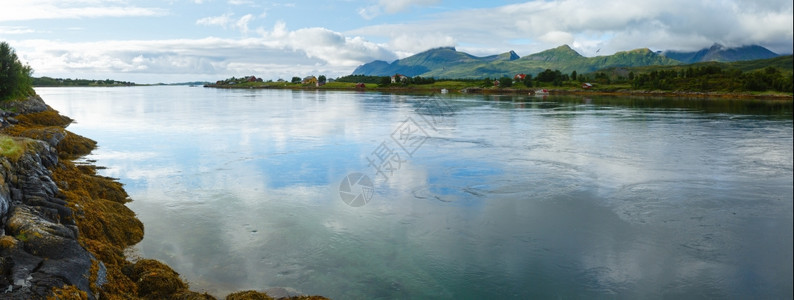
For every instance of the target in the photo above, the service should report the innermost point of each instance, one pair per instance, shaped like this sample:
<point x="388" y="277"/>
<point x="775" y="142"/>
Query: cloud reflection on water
<point x="237" y="191"/>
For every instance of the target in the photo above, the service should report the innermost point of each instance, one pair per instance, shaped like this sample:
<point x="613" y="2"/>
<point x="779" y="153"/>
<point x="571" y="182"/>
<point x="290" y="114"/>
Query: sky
<point x="152" y="41"/>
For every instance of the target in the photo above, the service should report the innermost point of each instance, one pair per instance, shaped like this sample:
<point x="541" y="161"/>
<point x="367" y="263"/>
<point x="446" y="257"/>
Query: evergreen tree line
<point x="714" y="78"/>
<point x="693" y="78"/>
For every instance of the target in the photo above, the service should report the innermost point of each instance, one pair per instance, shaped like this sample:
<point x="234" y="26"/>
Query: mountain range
<point x="719" y="53"/>
<point x="447" y="62"/>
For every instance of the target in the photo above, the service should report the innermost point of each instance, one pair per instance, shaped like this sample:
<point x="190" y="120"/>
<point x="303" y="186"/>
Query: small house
<point x="399" y="78"/>
<point x="519" y="77"/>
<point x="360" y="85"/>
<point x="586" y="85"/>
<point x="309" y="80"/>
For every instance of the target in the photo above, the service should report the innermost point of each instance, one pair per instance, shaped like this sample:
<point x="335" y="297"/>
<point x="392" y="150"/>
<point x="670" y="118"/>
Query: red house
<point x="586" y="85"/>
<point x="519" y="77"/>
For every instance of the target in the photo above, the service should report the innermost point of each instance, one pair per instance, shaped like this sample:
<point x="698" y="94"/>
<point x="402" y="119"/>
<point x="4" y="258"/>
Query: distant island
<point x="61" y="82"/>
<point x="68" y="82"/>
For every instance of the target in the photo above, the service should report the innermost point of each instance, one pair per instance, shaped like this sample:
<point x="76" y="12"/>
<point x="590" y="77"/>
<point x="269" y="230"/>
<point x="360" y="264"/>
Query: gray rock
<point x="40" y="248"/>
<point x="32" y="104"/>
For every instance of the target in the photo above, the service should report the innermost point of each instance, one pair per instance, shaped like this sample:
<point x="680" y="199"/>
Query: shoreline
<point x="528" y="92"/>
<point x="65" y="227"/>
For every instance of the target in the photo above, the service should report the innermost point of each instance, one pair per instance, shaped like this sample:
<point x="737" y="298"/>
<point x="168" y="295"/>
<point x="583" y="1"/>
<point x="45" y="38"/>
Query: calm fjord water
<point x="511" y="197"/>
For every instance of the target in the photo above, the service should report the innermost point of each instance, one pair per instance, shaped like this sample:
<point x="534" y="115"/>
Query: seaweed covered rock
<point x="155" y="280"/>
<point x="39" y="246"/>
<point x="41" y="251"/>
<point x="248" y="295"/>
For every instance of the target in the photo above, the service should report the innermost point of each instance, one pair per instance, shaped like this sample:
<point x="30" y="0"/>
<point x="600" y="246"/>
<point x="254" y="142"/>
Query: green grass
<point x="11" y="148"/>
<point x="22" y="237"/>
<point x="450" y="85"/>
<point x="341" y="85"/>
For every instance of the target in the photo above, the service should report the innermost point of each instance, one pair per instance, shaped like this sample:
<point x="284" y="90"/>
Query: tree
<point x="296" y="79"/>
<point x="547" y="76"/>
<point x="15" y="78"/>
<point x="321" y="79"/>
<point x="528" y="80"/>
<point x="487" y="82"/>
<point x="505" y="82"/>
<point x="573" y="75"/>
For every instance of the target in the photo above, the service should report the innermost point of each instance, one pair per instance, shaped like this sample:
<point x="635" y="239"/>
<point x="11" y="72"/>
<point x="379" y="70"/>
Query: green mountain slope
<point x="785" y="63"/>
<point x="562" y="58"/>
<point x="718" y="52"/>
<point x="450" y="63"/>
<point x="562" y="53"/>
<point x="428" y="61"/>
<point x="782" y="63"/>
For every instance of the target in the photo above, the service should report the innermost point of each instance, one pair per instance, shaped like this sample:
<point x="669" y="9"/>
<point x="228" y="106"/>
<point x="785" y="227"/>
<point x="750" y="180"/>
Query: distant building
<point x="360" y="85"/>
<point x="397" y="77"/>
<point x="586" y="85"/>
<point x="309" y="80"/>
<point x="519" y="77"/>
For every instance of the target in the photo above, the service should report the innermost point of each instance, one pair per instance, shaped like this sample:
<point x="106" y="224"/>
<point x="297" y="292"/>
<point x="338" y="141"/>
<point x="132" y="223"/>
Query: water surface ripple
<point x="513" y="197"/>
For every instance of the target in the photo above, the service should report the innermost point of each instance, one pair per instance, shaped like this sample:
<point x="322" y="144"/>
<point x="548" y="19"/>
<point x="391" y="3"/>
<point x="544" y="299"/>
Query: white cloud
<point x="391" y="7"/>
<point x="557" y="38"/>
<point x="613" y="25"/>
<point x="409" y="44"/>
<point x="327" y="45"/>
<point x="276" y="53"/>
<point x="242" y="23"/>
<point x="241" y="2"/>
<point x="223" y="20"/>
<point x="394" y="6"/>
<point x="529" y="27"/>
<point x="369" y="12"/>
<point x="15" y="30"/>
<point x="72" y="9"/>
<point x="227" y="21"/>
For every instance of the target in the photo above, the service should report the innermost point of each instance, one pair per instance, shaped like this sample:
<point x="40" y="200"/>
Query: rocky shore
<point x="64" y="227"/>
